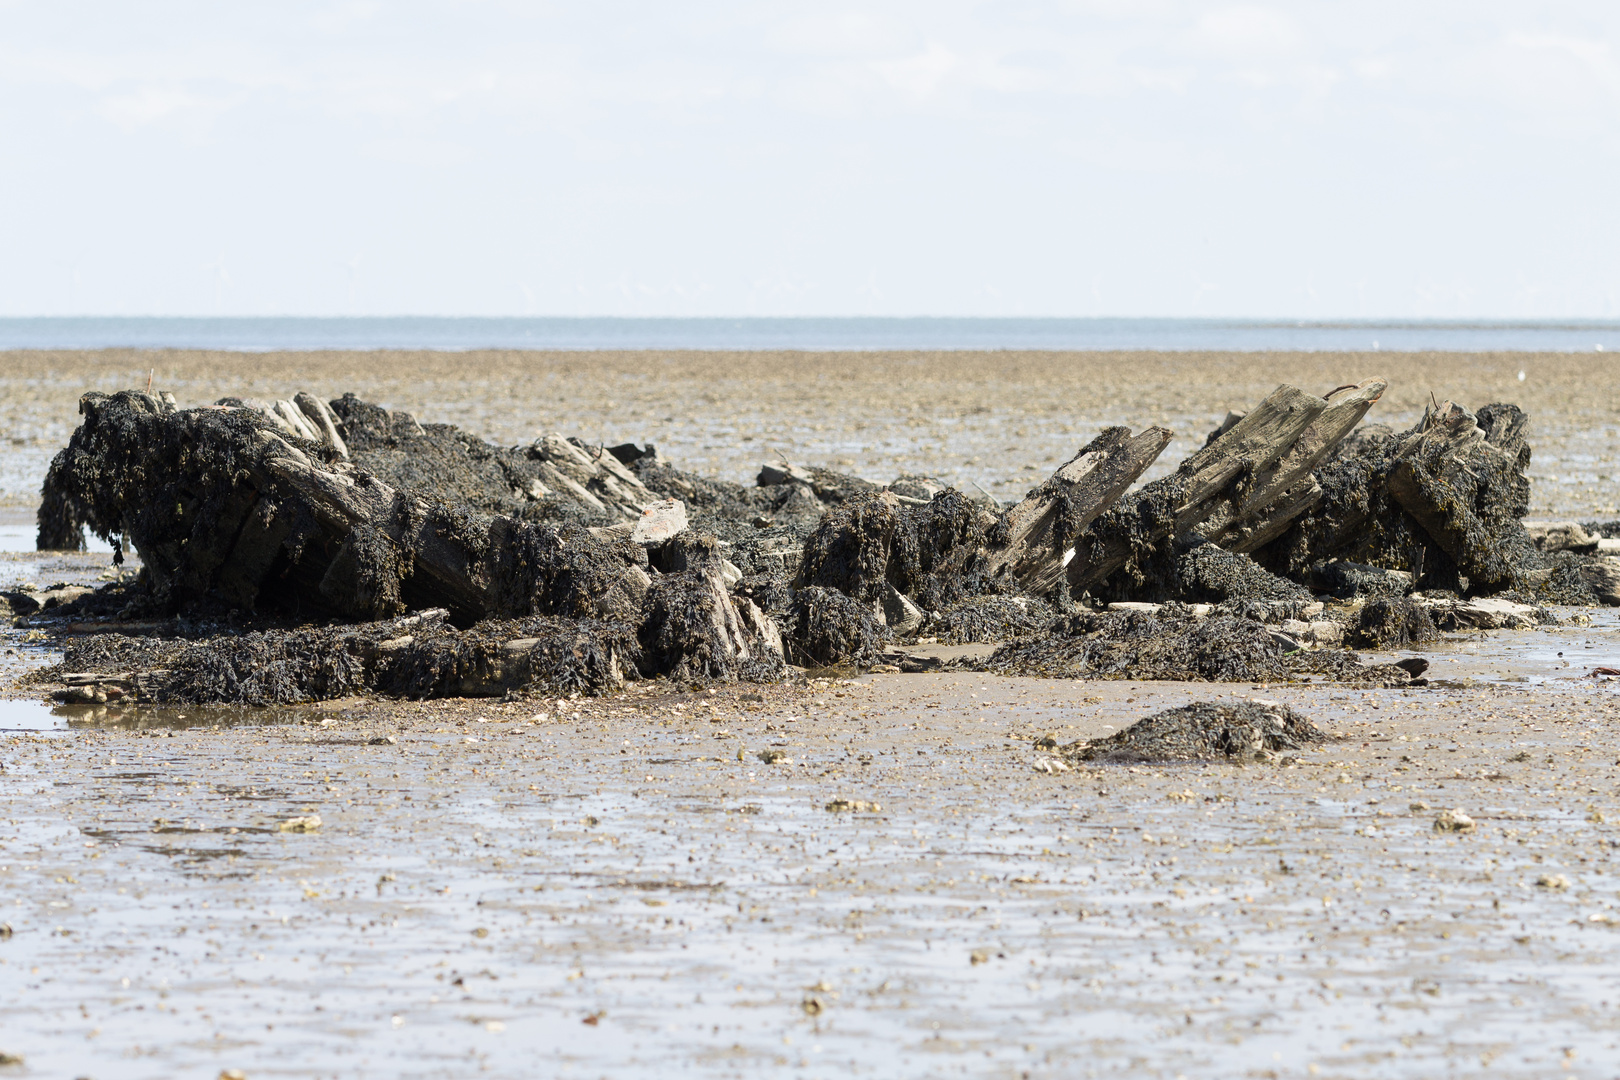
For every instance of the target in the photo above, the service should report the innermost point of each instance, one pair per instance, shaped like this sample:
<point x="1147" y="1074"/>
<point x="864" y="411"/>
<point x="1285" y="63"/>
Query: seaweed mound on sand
<point x="690" y="636"/>
<point x="1203" y="731"/>
<point x="1171" y="643"/>
<point x="419" y="656"/>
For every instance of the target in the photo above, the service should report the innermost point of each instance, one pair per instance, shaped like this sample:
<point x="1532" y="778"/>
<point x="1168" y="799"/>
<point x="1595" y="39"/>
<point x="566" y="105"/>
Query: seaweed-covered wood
<point x="1462" y="478"/>
<point x="226" y="510"/>
<point x="1263" y="506"/>
<point x="1222" y="470"/>
<point x="1036" y="538"/>
<point x="932" y="552"/>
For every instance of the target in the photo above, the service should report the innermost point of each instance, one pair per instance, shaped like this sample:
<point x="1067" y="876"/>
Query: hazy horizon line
<point x="1436" y="321"/>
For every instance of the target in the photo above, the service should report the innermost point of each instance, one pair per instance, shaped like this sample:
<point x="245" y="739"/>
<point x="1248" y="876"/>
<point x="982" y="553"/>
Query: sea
<point x="264" y="334"/>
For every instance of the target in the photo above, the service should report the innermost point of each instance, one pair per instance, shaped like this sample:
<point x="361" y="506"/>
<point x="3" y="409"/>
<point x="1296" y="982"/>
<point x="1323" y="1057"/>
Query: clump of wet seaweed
<point x="827" y="627"/>
<point x="931" y="553"/>
<point x="420" y="656"/>
<point x="1198" y="573"/>
<point x="457" y="468"/>
<point x="1171" y="643"/>
<point x="1203" y="731"/>
<point x="551" y="655"/>
<point x="267" y="668"/>
<point x="989" y="619"/>
<point x="694" y="631"/>
<point x="110" y="653"/>
<point x="732" y="511"/>
<point x="1392" y="624"/>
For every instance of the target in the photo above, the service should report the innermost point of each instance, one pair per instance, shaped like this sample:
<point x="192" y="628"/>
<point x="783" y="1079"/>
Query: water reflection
<point x="21" y="716"/>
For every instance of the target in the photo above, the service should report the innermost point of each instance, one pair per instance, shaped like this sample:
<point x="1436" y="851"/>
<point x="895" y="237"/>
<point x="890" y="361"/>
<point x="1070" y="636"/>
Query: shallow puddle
<point x="34" y="716"/>
<point x="30" y="716"/>
<point x="1561" y="659"/>
<point x="23" y="538"/>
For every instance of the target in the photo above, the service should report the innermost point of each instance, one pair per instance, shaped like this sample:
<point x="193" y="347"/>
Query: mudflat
<point x="624" y="886"/>
<point x="889" y="875"/>
<point x="1002" y="420"/>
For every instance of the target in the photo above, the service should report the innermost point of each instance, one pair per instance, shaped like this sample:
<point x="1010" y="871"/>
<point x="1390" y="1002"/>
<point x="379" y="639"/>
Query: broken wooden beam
<point x="1218" y="472"/>
<point x="1263" y="505"/>
<point x="1036" y="538"/>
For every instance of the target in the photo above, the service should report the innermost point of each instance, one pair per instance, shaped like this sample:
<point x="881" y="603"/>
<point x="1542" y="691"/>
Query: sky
<point x="1120" y="157"/>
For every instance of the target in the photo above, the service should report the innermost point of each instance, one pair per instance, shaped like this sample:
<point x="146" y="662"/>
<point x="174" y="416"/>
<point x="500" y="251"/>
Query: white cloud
<point x="343" y="17"/>
<point x="854" y="34"/>
<point x="1248" y="31"/>
<point x="919" y="75"/>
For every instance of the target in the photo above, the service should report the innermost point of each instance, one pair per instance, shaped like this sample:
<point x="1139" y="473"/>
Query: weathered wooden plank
<point x="1039" y="533"/>
<point x="1346" y="407"/>
<point x="1257" y="531"/>
<point x="1178" y="503"/>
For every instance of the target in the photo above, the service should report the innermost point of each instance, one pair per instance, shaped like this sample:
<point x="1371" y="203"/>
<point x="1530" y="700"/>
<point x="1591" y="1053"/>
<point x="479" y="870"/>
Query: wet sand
<point x="603" y="888"/>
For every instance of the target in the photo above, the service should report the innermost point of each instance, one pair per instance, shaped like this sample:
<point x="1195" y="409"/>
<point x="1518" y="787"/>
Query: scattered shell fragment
<point x="1453" y="821"/>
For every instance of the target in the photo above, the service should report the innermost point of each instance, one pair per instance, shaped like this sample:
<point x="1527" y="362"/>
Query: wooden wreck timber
<point x="225" y="508"/>
<point x="563" y="564"/>
<point x="1230" y="485"/>
<point x="1039" y="533"/>
<point x="1439" y="476"/>
<point x="1286" y="489"/>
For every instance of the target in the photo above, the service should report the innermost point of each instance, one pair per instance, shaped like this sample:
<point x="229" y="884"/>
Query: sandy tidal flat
<point x="1002" y="420"/>
<point x="625" y="887"/>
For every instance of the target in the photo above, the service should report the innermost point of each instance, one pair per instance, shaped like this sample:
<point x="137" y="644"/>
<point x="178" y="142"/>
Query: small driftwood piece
<point x="90" y="688"/>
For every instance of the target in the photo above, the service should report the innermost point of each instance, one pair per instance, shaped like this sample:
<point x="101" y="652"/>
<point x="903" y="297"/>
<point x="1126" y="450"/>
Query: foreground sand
<point x="603" y="888"/>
